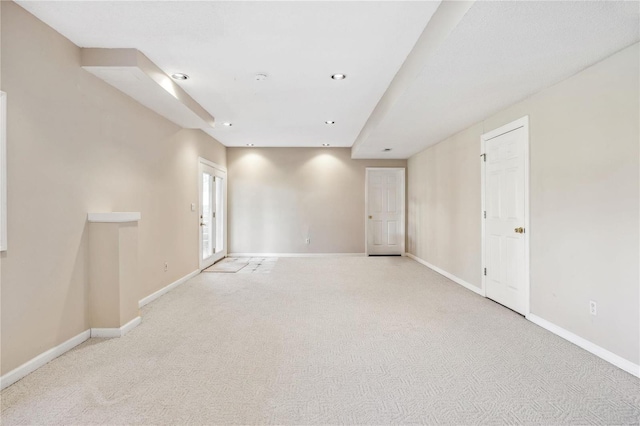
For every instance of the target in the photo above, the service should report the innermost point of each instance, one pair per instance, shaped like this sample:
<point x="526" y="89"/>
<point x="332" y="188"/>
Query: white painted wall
<point x="585" y="202"/>
<point x="77" y="145"/>
<point x="280" y="196"/>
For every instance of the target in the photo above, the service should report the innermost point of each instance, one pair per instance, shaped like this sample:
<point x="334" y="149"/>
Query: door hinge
<point x="214" y="215"/>
<point x="485" y="214"/>
<point x="485" y="271"/>
<point x="484" y="157"/>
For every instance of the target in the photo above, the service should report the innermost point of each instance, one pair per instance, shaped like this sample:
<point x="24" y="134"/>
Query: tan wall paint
<point x="584" y="202"/>
<point x="77" y="145"/>
<point x="104" y="275"/>
<point x="444" y="205"/>
<point x="113" y="274"/>
<point x="279" y="196"/>
<point x="1" y="299"/>
<point x="130" y="276"/>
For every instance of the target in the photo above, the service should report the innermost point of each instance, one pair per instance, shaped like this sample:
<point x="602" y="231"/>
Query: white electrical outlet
<point x="166" y="266"/>
<point x="307" y="241"/>
<point x="593" y="308"/>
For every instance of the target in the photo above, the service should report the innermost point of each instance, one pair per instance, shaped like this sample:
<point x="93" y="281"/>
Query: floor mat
<point x="228" y="265"/>
<point x="260" y="265"/>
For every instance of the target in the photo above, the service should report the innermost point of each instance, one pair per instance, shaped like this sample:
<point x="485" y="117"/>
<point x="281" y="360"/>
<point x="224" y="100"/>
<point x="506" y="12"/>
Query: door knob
<point x="201" y="224"/>
<point x="370" y="217"/>
<point x="519" y="230"/>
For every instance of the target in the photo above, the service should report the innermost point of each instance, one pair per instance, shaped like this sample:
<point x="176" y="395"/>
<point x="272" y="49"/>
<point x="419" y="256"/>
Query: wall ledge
<point x="114" y="217"/>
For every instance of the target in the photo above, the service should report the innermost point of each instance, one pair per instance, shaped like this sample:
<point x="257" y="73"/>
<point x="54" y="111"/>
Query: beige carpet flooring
<point x="331" y="340"/>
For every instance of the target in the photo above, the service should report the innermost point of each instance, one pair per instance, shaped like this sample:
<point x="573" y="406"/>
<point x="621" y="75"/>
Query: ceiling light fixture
<point x="325" y="144"/>
<point x="179" y="76"/>
<point x="249" y="144"/>
<point x="261" y="77"/>
<point x="329" y="122"/>
<point x="226" y="123"/>
<point x="386" y="150"/>
<point x="339" y="76"/>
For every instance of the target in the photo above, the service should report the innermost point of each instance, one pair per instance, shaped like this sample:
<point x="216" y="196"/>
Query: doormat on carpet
<point x="259" y="265"/>
<point x="228" y="265"/>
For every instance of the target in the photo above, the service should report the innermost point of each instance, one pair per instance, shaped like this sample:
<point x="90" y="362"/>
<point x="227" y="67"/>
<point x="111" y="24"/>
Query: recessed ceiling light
<point x="329" y="122"/>
<point x="179" y="76"/>
<point x="338" y="76"/>
<point x="226" y="123"/>
<point x="386" y="150"/>
<point x="249" y="144"/>
<point x="261" y="77"/>
<point x="325" y="144"/>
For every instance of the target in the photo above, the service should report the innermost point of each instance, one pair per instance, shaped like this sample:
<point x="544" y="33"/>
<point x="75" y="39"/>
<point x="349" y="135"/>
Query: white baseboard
<point x="588" y="346"/>
<point x="30" y="366"/>
<point x="452" y="277"/>
<point x="116" y="332"/>
<point x="150" y="298"/>
<point x="598" y="351"/>
<point x="296" y="254"/>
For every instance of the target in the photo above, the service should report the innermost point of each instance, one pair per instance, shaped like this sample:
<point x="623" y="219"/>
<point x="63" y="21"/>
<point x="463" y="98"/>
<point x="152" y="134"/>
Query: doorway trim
<point x="402" y="203"/>
<point x="514" y="125"/>
<point x="222" y="173"/>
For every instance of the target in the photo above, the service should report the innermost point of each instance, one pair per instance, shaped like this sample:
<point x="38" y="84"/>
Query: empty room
<point x="319" y="212"/>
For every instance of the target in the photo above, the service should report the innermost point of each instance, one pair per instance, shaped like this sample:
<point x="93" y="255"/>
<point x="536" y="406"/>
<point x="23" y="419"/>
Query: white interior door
<point x="212" y="189"/>
<point x="505" y="238"/>
<point x="385" y="211"/>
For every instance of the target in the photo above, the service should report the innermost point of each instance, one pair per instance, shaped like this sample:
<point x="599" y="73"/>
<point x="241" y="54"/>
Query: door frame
<point x="221" y="172"/>
<point x="366" y="206"/>
<point x="514" y="125"/>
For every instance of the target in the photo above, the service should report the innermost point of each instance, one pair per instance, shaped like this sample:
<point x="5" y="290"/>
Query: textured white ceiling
<point x="500" y="53"/>
<point x="222" y="45"/>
